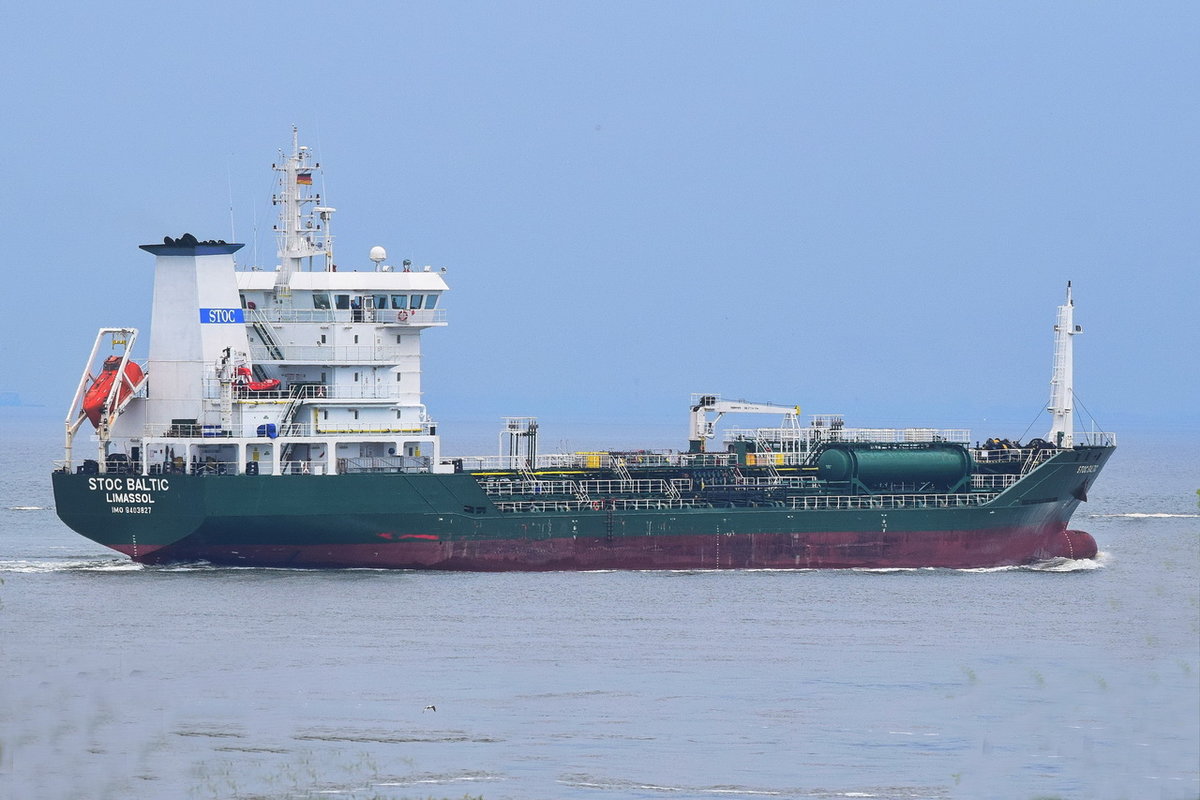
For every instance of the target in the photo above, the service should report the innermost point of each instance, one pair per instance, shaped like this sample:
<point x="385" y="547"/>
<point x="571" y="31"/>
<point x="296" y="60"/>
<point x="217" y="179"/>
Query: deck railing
<point x="1001" y="481"/>
<point x="818" y="502"/>
<point x="507" y="488"/>
<point x="608" y="504"/>
<point x="383" y="464"/>
<point x="785" y="481"/>
<point x="805" y="438"/>
<point x="1097" y="438"/>
<point x="290" y="430"/>
<point x="847" y="502"/>
<point x="573" y="461"/>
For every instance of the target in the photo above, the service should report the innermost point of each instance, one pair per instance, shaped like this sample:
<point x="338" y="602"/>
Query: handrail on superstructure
<point x="324" y="354"/>
<point x="289" y="430"/>
<point x="384" y="316"/>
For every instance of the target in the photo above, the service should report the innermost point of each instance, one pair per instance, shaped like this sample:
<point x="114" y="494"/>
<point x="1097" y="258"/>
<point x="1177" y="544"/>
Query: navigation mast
<point x="302" y="233"/>
<point x="1061" y="406"/>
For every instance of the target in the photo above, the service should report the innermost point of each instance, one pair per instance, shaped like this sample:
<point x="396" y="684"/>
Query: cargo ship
<point x="278" y="421"/>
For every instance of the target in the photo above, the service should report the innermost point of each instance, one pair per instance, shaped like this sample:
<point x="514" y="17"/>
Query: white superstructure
<point x="302" y="368"/>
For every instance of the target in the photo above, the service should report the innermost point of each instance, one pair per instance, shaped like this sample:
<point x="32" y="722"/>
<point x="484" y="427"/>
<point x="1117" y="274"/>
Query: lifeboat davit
<point x="97" y="394"/>
<point x="243" y="381"/>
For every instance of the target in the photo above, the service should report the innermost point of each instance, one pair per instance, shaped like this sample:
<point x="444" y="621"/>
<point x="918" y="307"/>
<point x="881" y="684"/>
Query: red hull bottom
<point x="842" y="550"/>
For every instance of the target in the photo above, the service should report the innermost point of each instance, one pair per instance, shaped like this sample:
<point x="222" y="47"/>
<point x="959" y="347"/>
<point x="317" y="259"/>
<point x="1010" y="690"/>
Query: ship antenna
<point x="324" y="212"/>
<point x="255" y="264"/>
<point x="321" y="149"/>
<point x="229" y="183"/>
<point x="1061" y="380"/>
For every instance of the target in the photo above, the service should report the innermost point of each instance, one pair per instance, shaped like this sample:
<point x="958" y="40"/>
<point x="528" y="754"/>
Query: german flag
<point x="304" y="178"/>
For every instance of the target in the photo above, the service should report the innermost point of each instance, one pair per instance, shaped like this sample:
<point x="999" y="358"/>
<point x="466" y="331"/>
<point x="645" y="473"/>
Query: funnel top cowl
<point x="189" y="245"/>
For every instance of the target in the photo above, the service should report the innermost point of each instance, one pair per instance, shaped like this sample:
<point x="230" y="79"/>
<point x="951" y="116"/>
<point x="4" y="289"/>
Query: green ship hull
<point x="449" y="521"/>
<point x="279" y="420"/>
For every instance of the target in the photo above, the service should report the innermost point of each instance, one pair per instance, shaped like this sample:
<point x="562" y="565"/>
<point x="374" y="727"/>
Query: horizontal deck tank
<point x="934" y="466"/>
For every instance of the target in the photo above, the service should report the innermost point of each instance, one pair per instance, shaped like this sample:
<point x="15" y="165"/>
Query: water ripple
<point x="628" y="786"/>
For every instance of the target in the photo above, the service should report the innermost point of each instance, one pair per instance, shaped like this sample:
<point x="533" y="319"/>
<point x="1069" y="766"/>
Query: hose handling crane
<point x="703" y="428"/>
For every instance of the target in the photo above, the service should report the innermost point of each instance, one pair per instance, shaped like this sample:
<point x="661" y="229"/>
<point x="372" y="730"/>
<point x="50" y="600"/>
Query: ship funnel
<point x="197" y="314"/>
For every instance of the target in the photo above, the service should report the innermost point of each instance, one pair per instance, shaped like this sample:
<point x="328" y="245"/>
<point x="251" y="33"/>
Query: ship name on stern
<point x="131" y="495"/>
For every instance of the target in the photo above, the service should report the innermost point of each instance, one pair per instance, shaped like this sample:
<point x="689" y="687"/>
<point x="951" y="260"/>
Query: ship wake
<point x="1053" y="565"/>
<point x="73" y="565"/>
<point x="1049" y="565"/>
<point x="1139" y="515"/>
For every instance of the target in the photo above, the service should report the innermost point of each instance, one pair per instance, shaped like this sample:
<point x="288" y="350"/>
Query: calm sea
<point x="1080" y="680"/>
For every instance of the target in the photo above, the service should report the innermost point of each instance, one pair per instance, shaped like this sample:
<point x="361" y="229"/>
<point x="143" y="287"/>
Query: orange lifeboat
<point x="97" y="394"/>
<point x="243" y="381"/>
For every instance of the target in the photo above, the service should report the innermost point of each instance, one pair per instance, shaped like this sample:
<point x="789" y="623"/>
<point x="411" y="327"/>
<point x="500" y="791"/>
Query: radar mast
<point x="303" y="231"/>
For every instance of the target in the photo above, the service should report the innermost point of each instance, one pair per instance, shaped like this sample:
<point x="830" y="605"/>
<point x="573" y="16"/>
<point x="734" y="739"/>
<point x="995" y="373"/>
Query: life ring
<point x="402" y="316"/>
<point x="595" y="505"/>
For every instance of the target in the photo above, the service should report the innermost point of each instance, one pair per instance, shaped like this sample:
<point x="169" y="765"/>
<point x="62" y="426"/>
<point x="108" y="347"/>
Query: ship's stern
<point x="133" y="514"/>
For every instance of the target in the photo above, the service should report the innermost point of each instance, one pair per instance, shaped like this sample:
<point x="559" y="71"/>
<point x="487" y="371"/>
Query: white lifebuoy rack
<point x="402" y="316"/>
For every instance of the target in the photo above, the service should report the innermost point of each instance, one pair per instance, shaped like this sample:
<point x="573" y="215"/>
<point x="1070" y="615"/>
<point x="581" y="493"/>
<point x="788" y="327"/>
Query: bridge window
<point x="415" y="300"/>
<point x="430" y="300"/>
<point x="399" y="301"/>
<point x="321" y="301"/>
<point x="342" y="301"/>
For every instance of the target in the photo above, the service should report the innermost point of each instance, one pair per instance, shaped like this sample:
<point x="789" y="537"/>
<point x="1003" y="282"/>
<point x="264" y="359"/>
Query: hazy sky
<point x="870" y="208"/>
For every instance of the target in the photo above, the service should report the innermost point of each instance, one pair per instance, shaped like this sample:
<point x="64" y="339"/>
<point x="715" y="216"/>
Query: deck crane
<point x="703" y="429"/>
